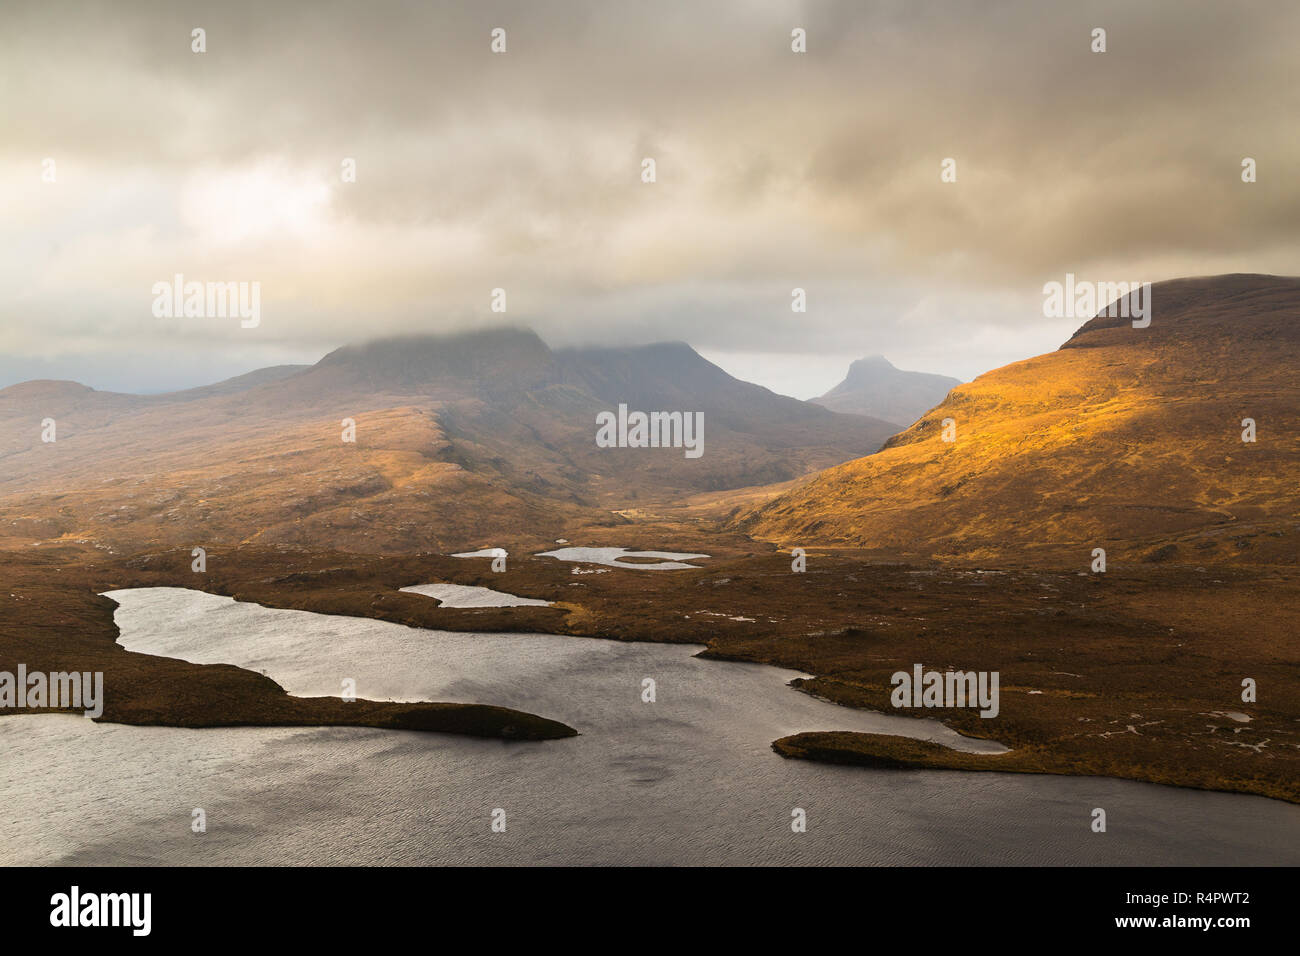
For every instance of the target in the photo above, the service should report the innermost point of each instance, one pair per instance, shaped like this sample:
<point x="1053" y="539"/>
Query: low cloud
<point x="522" y="171"/>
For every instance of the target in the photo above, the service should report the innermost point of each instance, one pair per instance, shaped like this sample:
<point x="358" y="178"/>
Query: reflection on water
<point x="586" y="683"/>
<point x="466" y="595"/>
<point x="688" y="779"/>
<point x="668" y="560"/>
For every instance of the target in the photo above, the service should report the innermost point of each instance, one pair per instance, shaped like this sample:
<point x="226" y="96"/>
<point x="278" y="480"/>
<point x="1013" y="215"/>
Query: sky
<point x="522" y="170"/>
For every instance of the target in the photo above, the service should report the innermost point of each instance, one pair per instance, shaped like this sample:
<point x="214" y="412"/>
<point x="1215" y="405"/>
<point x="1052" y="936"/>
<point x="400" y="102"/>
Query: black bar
<point x="927" y="906"/>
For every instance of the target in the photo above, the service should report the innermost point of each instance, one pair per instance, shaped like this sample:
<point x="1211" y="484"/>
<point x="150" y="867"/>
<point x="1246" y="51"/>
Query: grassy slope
<point x="1124" y="438"/>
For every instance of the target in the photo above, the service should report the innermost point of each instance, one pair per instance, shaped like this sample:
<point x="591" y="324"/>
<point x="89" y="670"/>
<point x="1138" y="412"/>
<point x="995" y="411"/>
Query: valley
<point x="975" y="555"/>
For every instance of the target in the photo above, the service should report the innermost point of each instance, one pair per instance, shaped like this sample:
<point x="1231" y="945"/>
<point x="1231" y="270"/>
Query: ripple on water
<point x="465" y="595"/>
<point x="688" y="779"/>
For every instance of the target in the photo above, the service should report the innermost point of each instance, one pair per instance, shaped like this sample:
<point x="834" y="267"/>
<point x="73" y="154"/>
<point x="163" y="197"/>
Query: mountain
<point x="460" y="439"/>
<point x="1125" y="439"/>
<point x="874" y="387"/>
<point x="753" y="435"/>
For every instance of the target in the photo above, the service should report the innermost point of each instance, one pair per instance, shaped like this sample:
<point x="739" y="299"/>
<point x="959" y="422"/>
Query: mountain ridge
<point x="1125" y="439"/>
<point x="873" y="386"/>
<point x="457" y="438"/>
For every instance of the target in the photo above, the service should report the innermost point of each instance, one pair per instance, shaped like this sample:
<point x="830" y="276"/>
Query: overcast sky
<point x="522" y="171"/>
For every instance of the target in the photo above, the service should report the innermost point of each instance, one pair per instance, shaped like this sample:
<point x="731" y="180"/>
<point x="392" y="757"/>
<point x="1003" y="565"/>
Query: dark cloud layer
<point x="477" y="171"/>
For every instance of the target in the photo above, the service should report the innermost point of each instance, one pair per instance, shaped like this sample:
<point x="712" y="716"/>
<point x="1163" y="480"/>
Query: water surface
<point x="612" y="557"/>
<point x="688" y="779"/>
<point x="466" y="595"/>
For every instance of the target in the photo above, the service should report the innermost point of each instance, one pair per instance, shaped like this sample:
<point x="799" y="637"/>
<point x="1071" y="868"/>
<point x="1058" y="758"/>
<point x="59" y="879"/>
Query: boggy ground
<point x="1134" y="673"/>
<point x="54" y="620"/>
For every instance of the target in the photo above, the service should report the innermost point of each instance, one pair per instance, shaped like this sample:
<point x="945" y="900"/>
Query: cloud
<point x="522" y="171"/>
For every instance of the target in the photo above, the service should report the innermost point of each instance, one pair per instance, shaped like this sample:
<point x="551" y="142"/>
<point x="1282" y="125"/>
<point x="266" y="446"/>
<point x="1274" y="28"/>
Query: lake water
<point x="689" y="779"/>
<point x="612" y="557"/>
<point x="467" y="595"/>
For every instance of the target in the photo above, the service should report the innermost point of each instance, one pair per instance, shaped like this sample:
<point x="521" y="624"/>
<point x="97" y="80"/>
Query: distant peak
<point x="878" y="361"/>
<point x="872" y="366"/>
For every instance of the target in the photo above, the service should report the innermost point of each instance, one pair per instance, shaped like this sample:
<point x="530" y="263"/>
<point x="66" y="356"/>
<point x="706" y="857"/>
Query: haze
<point x="522" y="171"/>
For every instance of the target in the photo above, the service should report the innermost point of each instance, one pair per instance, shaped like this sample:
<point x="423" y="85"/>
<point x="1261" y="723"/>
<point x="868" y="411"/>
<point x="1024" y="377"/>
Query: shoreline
<point x="890" y="752"/>
<point x="1125" y="677"/>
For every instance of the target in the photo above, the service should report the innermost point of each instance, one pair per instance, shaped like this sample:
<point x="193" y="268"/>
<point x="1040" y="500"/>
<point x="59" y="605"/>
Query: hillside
<point x="460" y="440"/>
<point x="1126" y="439"/>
